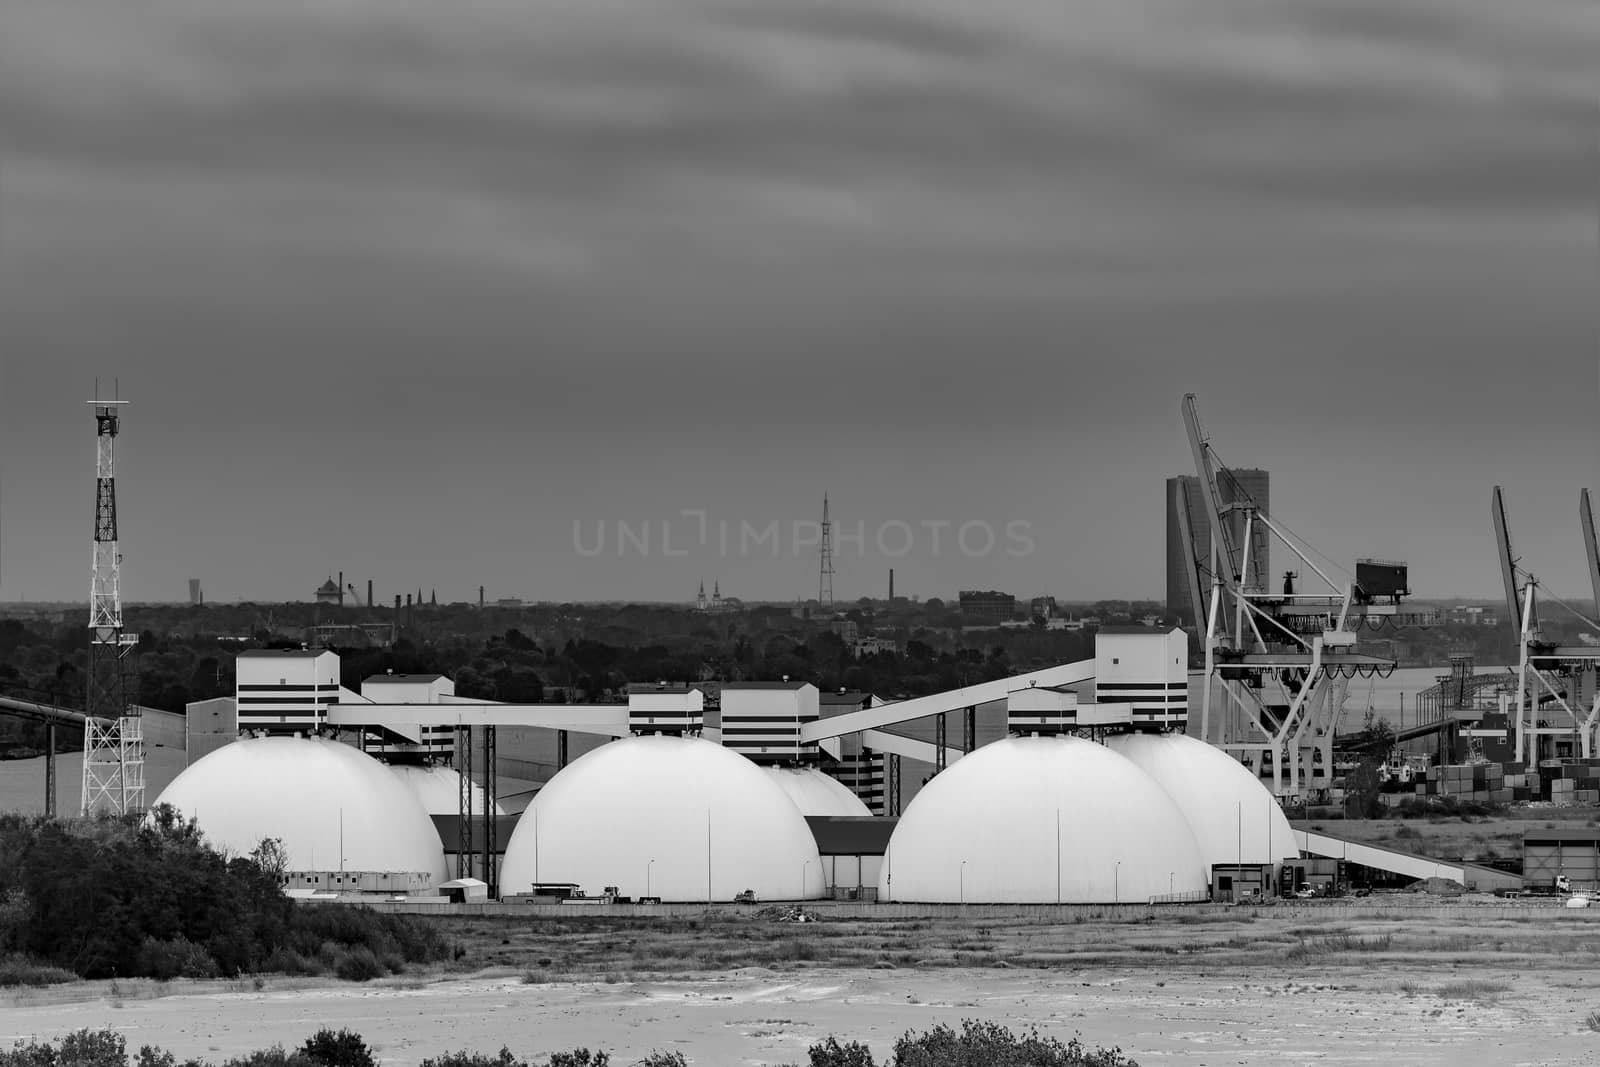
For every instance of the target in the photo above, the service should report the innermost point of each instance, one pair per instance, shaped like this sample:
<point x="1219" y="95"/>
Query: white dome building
<point x="816" y="793"/>
<point x="678" y="818"/>
<point x="1235" y="818"/>
<point x="1041" y="820"/>
<point x="438" y="789"/>
<point x="333" y="806"/>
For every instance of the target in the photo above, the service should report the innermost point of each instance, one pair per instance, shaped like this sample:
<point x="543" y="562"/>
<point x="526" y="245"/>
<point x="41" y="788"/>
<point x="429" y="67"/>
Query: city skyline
<point x="434" y="305"/>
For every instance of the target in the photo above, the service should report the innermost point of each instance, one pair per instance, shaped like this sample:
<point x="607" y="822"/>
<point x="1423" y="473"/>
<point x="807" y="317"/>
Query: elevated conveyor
<point x="604" y="720"/>
<point x="1405" y="864"/>
<point x="904" y="711"/>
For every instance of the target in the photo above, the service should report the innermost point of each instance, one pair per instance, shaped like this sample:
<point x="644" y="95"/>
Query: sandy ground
<point x="1315" y="1016"/>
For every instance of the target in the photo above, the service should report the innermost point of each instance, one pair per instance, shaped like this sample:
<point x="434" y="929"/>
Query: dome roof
<point x="669" y="817"/>
<point x="815" y="793"/>
<point x="1040" y="820"/>
<point x="314" y="794"/>
<point x="1234" y="816"/>
<point x="438" y="789"/>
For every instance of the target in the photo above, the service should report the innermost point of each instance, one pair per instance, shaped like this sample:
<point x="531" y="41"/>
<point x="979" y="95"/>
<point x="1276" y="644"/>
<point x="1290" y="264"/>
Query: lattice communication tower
<point x="113" y="739"/>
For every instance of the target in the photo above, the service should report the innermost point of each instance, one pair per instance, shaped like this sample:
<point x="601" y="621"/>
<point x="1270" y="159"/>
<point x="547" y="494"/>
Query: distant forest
<point x="590" y="653"/>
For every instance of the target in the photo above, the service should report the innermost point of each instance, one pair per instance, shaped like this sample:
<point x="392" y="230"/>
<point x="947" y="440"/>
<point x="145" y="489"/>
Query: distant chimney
<point x="480" y="598"/>
<point x="369" y="593"/>
<point x="341" y="589"/>
<point x="891" y="585"/>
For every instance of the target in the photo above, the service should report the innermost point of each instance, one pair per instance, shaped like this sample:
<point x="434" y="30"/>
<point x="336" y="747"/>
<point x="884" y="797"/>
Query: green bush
<point x="272" y="1057"/>
<point x="358" y="964"/>
<point x="830" y="1053"/>
<point x="580" y="1057"/>
<point x="664" y="1059"/>
<point x="342" y="1049"/>
<point x="476" y="1059"/>
<point x="987" y="1044"/>
<point x="145" y="896"/>
<point x="81" y="1048"/>
<point x="178" y="958"/>
<point x="20" y="970"/>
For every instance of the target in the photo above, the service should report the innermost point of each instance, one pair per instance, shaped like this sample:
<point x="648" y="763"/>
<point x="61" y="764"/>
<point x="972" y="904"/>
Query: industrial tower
<point x="825" y="577"/>
<point x="113" y="740"/>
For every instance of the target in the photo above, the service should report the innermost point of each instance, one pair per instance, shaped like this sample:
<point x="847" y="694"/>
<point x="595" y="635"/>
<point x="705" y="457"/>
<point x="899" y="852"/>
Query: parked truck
<point x="1559" y="886"/>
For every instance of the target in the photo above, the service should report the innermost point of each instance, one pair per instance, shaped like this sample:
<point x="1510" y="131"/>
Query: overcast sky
<point x="441" y="294"/>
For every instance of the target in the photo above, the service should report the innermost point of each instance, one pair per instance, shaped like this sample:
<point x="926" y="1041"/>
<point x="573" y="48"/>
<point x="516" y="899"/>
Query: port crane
<point x="1277" y="664"/>
<point x="1548" y="675"/>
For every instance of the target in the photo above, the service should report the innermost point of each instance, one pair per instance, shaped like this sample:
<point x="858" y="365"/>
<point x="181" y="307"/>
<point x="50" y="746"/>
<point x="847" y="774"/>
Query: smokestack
<point x="480" y="598"/>
<point x="369" y="593"/>
<point x="891" y="587"/>
<point x="394" y="625"/>
<point x="341" y="589"/>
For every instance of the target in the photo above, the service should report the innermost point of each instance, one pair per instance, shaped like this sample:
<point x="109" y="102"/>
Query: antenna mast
<point x="825" y="577"/>
<point x="113" y="746"/>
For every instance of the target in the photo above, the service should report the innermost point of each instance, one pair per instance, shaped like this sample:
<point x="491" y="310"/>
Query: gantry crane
<point x="1549" y="676"/>
<point x="1279" y="662"/>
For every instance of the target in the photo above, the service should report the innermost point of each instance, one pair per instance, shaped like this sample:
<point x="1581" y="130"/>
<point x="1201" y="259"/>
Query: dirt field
<point x="1299" y="987"/>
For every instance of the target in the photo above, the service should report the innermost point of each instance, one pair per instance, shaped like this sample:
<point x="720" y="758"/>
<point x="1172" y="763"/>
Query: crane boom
<point x="1191" y="563"/>
<point x="1508" y="562"/>
<point x="1221" y="543"/>
<point x="1591" y="547"/>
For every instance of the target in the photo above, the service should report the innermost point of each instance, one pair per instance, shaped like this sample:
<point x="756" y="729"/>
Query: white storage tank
<point x="816" y="793"/>
<point x="678" y="818"/>
<point x="1042" y="820"/>
<point x="1235" y="817"/>
<point x="334" y="807"/>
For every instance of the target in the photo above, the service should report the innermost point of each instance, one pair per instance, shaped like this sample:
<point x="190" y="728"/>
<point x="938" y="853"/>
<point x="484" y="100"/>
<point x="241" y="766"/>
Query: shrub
<point x="357" y="964"/>
<point x="476" y="1059"/>
<point x="156" y="1057"/>
<point x="20" y="970"/>
<point x="342" y="1049"/>
<point x="81" y="1048"/>
<point x="178" y="958"/>
<point x="992" y="1045"/>
<point x="272" y="1057"/>
<point x="579" y="1057"/>
<point x="664" y="1059"/>
<point x="830" y="1053"/>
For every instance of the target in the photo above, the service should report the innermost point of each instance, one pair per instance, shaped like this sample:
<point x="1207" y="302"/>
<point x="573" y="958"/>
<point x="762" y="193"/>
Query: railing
<point x="1195" y="896"/>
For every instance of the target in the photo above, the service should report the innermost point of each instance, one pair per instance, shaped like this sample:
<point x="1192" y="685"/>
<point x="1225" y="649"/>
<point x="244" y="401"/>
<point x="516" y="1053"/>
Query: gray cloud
<point x="875" y="215"/>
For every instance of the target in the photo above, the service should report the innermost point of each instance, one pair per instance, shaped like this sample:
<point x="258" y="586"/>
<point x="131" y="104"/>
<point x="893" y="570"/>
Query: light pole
<point x="1116" y="883"/>
<point x="647" y="867"/>
<point x="963" y="881"/>
<point x="804" y="867"/>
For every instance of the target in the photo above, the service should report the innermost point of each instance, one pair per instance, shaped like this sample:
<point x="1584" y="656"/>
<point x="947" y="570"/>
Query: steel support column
<point x="50" y="770"/>
<point x="464" y="807"/>
<point x="489" y="827"/>
<point x="892" y="786"/>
